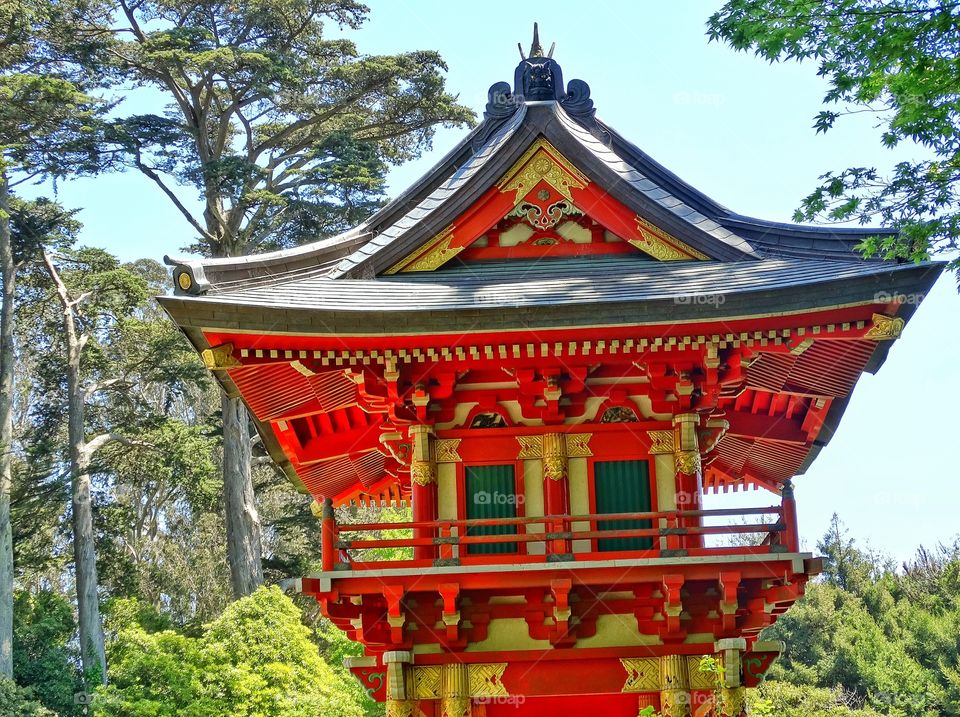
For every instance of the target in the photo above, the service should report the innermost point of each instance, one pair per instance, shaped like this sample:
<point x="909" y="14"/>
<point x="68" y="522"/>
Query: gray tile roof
<point x="602" y="279"/>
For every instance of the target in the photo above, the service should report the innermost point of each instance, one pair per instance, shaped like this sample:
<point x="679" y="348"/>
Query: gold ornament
<point x="219" y="358"/>
<point x="885" y="328"/>
<point x="660" y="442"/>
<point x="661" y="245"/>
<point x="687" y="462"/>
<point x="422" y="473"/>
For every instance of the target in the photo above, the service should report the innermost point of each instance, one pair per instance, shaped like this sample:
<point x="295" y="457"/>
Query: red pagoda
<point x="552" y="346"/>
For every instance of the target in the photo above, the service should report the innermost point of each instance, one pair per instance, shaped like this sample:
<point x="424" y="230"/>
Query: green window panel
<point x="491" y="492"/>
<point x="622" y="487"/>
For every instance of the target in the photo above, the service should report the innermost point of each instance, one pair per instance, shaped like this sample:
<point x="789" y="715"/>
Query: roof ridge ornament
<point x="536" y="49"/>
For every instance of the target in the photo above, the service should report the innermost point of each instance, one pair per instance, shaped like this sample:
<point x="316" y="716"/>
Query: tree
<point x="284" y="134"/>
<point x="255" y="659"/>
<point x="844" y="564"/>
<point x="897" y="60"/>
<point x="43" y="132"/>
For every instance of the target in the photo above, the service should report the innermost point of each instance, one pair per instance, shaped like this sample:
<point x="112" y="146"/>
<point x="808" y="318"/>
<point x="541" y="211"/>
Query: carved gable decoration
<point x="545" y="206"/>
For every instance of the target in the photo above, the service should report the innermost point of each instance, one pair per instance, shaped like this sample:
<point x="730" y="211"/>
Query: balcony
<point x="557" y="539"/>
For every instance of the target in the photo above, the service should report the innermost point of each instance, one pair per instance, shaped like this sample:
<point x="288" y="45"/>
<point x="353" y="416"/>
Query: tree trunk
<point x="8" y="271"/>
<point x="92" y="651"/>
<point x="242" y="518"/>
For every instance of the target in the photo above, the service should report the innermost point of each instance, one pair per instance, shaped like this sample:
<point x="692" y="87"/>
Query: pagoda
<point x="550" y="347"/>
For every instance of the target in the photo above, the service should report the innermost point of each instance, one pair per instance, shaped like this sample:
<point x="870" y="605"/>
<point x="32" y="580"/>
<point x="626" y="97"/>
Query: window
<point x="491" y="492"/>
<point x="622" y="487"/>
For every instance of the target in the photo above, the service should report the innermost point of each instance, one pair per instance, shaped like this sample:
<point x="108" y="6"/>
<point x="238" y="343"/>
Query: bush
<point x="256" y="659"/>
<point x="20" y="702"/>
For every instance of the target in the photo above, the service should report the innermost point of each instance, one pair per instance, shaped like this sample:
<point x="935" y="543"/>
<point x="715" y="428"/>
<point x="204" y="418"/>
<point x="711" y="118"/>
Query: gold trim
<point x="530" y="447"/>
<point x="422" y="473"/>
<point x="643" y="674"/>
<point x="663" y="246"/>
<point x="219" y="358"/>
<point x="699" y="680"/>
<point x="578" y="445"/>
<point x="885" y="328"/>
<point x="446" y="450"/>
<point x="486" y="679"/>
<point x="688" y="462"/>
<point x="438" y="252"/>
<point x="425" y="682"/>
<point x="554" y="456"/>
<point x="660" y="442"/>
<point x="542" y="161"/>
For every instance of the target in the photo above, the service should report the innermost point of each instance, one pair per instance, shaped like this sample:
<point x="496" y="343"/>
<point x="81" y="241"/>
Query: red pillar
<point x="556" y="495"/>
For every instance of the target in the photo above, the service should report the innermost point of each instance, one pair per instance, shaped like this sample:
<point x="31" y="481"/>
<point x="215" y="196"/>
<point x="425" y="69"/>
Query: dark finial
<point x="536" y="49"/>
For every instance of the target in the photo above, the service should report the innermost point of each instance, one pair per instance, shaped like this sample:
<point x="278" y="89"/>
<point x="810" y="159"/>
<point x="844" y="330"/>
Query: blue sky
<point x="734" y="126"/>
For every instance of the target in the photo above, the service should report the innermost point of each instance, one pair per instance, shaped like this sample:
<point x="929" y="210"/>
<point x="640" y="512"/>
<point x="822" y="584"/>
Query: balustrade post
<point x="423" y="488"/>
<point x="328" y="536"/>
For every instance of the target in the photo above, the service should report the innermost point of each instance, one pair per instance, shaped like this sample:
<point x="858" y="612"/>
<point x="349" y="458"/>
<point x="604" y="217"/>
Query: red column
<point x="689" y="473"/>
<point x="556" y="495"/>
<point x="423" y="485"/>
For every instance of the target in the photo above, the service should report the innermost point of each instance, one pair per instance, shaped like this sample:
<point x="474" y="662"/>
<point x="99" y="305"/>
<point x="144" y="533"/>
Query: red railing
<point x="672" y="534"/>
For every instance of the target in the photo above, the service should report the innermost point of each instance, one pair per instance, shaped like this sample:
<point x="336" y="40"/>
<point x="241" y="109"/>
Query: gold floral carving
<point x="660" y="442"/>
<point x="530" y="447"/>
<point x="660" y="245"/>
<point x="438" y="253"/>
<point x="542" y="162"/>
<point x="446" y="450"/>
<point x="422" y="473"/>
<point x="578" y="445"/>
<point x="885" y="328"/>
<point x="643" y="674"/>
<point x="554" y="456"/>
<point x="486" y="679"/>
<point x="688" y="462"/>
<point x="219" y="358"/>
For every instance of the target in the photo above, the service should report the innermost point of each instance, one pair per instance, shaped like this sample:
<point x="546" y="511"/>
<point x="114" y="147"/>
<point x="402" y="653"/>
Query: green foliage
<point x="255" y="660"/>
<point x="886" y="637"/>
<point x="43" y="659"/>
<point x="19" y="702"/>
<point x="782" y="699"/>
<point x="894" y="58"/>
<point x="283" y="128"/>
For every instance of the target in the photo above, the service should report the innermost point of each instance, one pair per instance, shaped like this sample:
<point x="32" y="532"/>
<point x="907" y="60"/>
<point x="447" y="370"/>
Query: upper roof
<point x="537" y="109"/>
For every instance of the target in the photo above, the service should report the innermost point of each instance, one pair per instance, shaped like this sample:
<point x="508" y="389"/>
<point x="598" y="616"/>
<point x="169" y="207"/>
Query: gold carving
<point x="699" y="680"/>
<point x="687" y="462"/>
<point x="530" y="447"/>
<point x="674" y="686"/>
<point x="425" y="682"/>
<point x="643" y="674"/>
<point x="661" y="245"/>
<point x="554" y="456"/>
<point x="733" y="701"/>
<point x="578" y="445"/>
<point x="486" y="679"/>
<point x="446" y="449"/>
<point x="885" y="328"/>
<point x="438" y="253"/>
<point x="184" y="281"/>
<point x="542" y="162"/>
<point x="400" y="708"/>
<point x="219" y="357"/>
<point x="660" y="442"/>
<point x="422" y="473"/>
